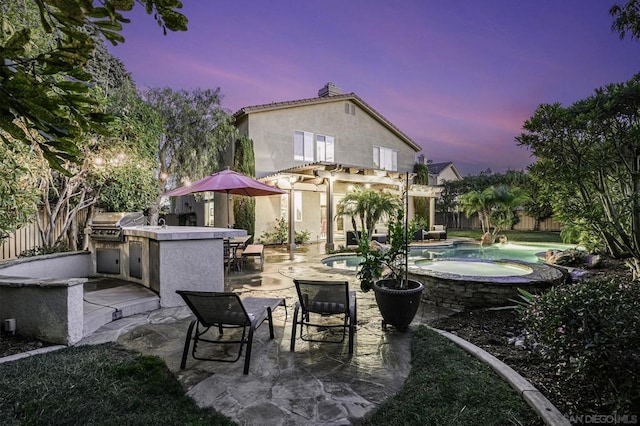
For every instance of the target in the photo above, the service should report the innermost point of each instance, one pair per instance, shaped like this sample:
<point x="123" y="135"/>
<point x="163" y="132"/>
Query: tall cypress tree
<point x="244" y="208"/>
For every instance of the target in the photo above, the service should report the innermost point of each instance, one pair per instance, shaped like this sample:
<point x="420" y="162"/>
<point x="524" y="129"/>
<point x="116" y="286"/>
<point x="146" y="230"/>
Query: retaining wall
<point x="465" y="293"/>
<point x="50" y="309"/>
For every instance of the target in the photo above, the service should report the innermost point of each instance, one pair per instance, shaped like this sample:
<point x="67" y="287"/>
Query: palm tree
<point x="479" y="202"/>
<point x="369" y="206"/>
<point x="494" y="205"/>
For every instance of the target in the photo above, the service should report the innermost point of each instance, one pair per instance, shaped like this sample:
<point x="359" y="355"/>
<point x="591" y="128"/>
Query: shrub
<point x="279" y="234"/>
<point x="591" y="331"/>
<point x="42" y="250"/>
<point x="303" y="237"/>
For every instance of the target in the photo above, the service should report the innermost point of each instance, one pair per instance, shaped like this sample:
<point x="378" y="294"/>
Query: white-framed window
<point x="302" y="146"/>
<point x="297" y="205"/>
<point x="324" y="148"/>
<point x="385" y="158"/>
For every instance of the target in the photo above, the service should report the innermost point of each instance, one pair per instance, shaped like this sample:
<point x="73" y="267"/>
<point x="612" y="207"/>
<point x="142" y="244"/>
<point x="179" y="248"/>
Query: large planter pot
<point x="397" y="307"/>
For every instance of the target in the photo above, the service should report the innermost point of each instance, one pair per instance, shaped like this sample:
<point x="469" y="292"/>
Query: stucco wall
<point x="355" y="135"/>
<point x="205" y="271"/>
<point x="267" y="210"/>
<point x="59" y="265"/>
<point x="46" y="309"/>
<point x="51" y="308"/>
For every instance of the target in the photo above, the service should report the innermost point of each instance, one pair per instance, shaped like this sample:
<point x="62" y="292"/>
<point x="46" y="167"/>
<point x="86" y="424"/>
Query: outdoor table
<point x="239" y="242"/>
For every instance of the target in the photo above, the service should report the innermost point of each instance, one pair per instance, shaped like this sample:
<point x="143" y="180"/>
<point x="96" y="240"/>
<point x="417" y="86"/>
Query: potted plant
<point x="384" y="268"/>
<point x="385" y="271"/>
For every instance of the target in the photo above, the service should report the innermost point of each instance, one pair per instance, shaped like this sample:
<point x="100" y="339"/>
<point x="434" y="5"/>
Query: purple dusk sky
<point x="458" y="77"/>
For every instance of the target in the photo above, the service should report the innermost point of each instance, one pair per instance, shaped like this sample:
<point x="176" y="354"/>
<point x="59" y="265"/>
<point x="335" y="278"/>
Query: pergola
<point x="322" y="177"/>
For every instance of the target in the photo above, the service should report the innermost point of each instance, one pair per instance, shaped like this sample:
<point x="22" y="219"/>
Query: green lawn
<point x="103" y="385"/>
<point x="108" y="385"/>
<point x="447" y="386"/>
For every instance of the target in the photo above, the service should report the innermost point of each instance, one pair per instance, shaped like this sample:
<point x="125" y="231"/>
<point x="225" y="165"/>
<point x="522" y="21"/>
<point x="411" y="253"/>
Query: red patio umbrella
<point x="229" y="182"/>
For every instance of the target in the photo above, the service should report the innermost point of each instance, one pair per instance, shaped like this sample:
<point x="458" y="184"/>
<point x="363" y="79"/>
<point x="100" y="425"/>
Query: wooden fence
<point x="28" y="237"/>
<point x="525" y="223"/>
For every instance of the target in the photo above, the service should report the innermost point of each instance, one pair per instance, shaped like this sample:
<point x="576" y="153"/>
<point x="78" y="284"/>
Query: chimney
<point x="329" y="89"/>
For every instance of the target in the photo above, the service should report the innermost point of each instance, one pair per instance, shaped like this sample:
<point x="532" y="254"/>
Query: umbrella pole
<point x="228" y="206"/>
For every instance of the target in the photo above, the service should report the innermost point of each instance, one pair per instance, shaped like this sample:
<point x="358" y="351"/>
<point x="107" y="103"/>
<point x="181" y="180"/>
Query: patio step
<point x="104" y="306"/>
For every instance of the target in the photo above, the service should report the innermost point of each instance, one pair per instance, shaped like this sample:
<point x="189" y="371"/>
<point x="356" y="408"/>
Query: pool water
<point x="343" y="261"/>
<point x="478" y="269"/>
<point x="522" y="252"/>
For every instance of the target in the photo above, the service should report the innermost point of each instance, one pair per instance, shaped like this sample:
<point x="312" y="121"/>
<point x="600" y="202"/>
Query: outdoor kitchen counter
<point x="160" y="233"/>
<point x="166" y="259"/>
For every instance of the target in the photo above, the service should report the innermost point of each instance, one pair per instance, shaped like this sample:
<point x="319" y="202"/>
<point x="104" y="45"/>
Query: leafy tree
<point x="421" y="204"/>
<point x="117" y="172"/>
<point x="536" y="204"/>
<point x="626" y="18"/>
<point x="589" y="163"/>
<point x="18" y="195"/>
<point x="196" y="131"/>
<point x="45" y="95"/>
<point x="495" y="207"/>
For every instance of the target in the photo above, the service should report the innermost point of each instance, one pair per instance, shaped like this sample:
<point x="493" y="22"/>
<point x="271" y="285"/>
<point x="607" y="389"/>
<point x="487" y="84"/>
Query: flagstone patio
<point x="318" y="384"/>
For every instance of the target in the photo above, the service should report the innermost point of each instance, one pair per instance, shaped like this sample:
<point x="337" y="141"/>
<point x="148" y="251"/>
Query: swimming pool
<point x="466" y="276"/>
<point x="526" y="252"/>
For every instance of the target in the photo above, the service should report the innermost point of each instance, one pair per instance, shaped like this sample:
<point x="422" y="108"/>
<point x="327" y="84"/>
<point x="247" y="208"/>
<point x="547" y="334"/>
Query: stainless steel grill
<point x="108" y="226"/>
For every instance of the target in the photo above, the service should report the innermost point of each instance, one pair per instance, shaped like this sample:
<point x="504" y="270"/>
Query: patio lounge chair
<point x="226" y="310"/>
<point x="324" y="298"/>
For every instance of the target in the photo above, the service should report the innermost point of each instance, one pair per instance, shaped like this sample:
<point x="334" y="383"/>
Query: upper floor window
<point x="385" y="158"/>
<point x="349" y="108"/>
<point x="302" y="146"/>
<point x="324" y="148"/>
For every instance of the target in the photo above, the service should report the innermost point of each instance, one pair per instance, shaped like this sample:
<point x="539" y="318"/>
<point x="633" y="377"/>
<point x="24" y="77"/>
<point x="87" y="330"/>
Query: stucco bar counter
<point x="166" y="259"/>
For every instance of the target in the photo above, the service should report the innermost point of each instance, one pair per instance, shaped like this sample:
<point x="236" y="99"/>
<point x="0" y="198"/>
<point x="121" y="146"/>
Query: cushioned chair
<point x="419" y="235"/>
<point x="438" y="232"/>
<point x="317" y="299"/>
<point x="226" y="310"/>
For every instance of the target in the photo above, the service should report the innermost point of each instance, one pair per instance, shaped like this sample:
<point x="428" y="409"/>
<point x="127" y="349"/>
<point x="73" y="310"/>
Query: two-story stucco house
<point x="318" y="149"/>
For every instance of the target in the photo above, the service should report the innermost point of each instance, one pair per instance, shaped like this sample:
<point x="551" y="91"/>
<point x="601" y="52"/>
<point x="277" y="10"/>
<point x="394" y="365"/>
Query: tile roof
<point x="436" y="168"/>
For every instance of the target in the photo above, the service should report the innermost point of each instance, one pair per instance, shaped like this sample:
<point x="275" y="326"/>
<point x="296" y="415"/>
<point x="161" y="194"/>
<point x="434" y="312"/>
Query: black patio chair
<point x="318" y="299"/>
<point x="229" y="256"/>
<point x="226" y="310"/>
